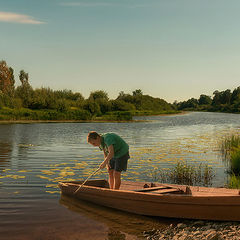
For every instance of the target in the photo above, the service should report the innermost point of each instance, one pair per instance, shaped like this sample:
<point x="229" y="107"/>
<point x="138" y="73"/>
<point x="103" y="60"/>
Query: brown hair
<point x="92" y="135"/>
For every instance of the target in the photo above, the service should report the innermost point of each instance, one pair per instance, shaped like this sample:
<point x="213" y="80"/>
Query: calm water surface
<point x="34" y="157"/>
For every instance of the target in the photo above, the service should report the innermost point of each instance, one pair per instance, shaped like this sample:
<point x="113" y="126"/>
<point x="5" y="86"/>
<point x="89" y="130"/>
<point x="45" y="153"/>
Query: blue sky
<point x="172" y="49"/>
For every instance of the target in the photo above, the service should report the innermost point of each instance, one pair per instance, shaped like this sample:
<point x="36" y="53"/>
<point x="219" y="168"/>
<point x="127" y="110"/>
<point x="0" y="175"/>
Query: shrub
<point x="92" y="107"/>
<point x="78" y="115"/>
<point x="120" y="105"/>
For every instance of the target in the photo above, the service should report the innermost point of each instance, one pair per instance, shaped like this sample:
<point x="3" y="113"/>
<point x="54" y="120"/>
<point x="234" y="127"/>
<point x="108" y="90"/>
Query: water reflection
<point x="5" y="154"/>
<point x="6" y="145"/>
<point x="121" y="225"/>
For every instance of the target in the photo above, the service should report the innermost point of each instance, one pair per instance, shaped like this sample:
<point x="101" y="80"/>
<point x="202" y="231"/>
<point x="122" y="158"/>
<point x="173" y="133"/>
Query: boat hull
<point x="206" y="207"/>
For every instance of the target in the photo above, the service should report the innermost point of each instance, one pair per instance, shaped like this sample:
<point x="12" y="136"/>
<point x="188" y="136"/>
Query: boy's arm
<point x="105" y="154"/>
<point x="107" y="157"/>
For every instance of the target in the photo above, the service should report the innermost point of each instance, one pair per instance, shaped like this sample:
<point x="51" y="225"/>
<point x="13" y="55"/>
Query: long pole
<point x="86" y="180"/>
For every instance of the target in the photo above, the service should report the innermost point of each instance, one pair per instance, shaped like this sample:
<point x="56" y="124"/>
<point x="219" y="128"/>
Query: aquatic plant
<point x="233" y="182"/>
<point x="184" y="173"/>
<point x="235" y="161"/>
<point x="229" y="144"/>
<point x="231" y="153"/>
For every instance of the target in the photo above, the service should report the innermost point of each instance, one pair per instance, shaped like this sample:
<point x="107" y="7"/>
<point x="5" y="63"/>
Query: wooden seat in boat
<point x="159" y="190"/>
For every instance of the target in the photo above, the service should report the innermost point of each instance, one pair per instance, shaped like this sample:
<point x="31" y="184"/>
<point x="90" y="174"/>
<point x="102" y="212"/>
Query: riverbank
<point x="65" y="121"/>
<point x="96" y="120"/>
<point x="189" y="230"/>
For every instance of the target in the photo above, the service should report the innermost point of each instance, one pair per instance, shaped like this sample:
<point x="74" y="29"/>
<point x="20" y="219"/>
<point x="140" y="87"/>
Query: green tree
<point x="25" y="91"/>
<point x="137" y="92"/>
<point x="62" y="105"/>
<point x="6" y="79"/>
<point x="101" y="99"/>
<point x="97" y="95"/>
<point x="204" y="100"/>
<point x="121" y="95"/>
<point x="216" y="98"/>
<point x="92" y="106"/>
<point x="120" y="105"/>
<point x="45" y="98"/>
<point x="68" y="94"/>
<point x="125" y="97"/>
<point x="223" y="97"/>
<point x="235" y="95"/>
<point x="226" y="96"/>
<point x="191" y="103"/>
<point x="23" y="77"/>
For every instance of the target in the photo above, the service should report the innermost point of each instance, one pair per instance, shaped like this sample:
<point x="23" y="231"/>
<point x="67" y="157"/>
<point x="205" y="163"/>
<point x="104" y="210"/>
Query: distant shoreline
<point x="85" y="121"/>
<point x="170" y="114"/>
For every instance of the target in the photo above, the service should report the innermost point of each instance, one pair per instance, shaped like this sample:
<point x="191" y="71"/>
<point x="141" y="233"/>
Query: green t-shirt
<point x="119" y="145"/>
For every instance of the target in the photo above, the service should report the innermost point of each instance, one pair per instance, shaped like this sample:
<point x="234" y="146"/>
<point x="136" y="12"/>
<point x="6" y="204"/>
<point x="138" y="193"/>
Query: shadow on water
<point x="121" y="225"/>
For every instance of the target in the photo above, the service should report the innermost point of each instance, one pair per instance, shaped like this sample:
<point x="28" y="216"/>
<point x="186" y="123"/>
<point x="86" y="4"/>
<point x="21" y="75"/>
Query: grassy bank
<point x="154" y="113"/>
<point x="25" y="114"/>
<point x="28" y="114"/>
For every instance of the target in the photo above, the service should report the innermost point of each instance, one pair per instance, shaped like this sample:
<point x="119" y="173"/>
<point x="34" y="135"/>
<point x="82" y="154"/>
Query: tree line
<point x="25" y="102"/>
<point x="222" y="101"/>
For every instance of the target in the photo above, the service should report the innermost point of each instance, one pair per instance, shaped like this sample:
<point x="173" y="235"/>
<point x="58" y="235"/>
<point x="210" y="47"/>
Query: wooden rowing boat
<point x="156" y="199"/>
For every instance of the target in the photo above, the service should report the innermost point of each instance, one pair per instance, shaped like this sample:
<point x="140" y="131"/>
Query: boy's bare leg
<point x="117" y="179"/>
<point x="111" y="178"/>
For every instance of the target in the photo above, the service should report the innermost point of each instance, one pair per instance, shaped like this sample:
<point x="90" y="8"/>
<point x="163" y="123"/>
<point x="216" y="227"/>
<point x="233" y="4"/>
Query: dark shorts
<point x="119" y="164"/>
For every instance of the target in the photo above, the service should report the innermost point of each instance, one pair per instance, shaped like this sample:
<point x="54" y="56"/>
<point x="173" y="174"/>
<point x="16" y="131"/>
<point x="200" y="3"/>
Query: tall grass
<point x="233" y="182"/>
<point x="231" y="153"/>
<point x="184" y="173"/>
<point x="229" y="144"/>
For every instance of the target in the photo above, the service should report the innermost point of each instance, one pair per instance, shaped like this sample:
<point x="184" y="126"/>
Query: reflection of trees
<point x="22" y="153"/>
<point x="6" y="144"/>
<point x="5" y="153"/>
<point x="26" y="135"/>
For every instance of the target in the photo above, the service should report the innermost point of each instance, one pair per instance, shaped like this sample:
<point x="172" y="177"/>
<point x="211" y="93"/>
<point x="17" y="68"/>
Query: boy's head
<point x="94" y="138"/>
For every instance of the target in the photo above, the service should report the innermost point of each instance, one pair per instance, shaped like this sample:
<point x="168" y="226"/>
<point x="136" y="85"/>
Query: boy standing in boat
<point x="116" y="155"/>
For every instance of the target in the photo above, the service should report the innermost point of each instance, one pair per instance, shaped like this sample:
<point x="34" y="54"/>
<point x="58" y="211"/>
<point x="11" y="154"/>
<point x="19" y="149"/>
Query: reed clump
<point x="231" y="153"/>
<point x="184" y="173"/>
<point x="233" y="182"/>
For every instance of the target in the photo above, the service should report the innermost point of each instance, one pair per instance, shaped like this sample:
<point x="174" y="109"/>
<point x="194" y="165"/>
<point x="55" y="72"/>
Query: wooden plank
<point x="164" y="191"/>
<point x="199" y="194"/>
<point x="151" y="189"/>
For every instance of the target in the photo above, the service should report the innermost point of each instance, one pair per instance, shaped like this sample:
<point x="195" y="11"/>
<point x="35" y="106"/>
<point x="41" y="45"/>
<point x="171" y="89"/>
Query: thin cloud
<point x="89" y="4"/>
<point x="99" y="4"/>
<point x="18" y="18"/>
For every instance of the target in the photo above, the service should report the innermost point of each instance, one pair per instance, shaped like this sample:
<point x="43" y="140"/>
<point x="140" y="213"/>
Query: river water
<point x="35" y="157"/>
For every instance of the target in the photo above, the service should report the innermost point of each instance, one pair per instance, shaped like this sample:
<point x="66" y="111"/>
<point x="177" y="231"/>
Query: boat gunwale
<point x="153" y="197"/>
